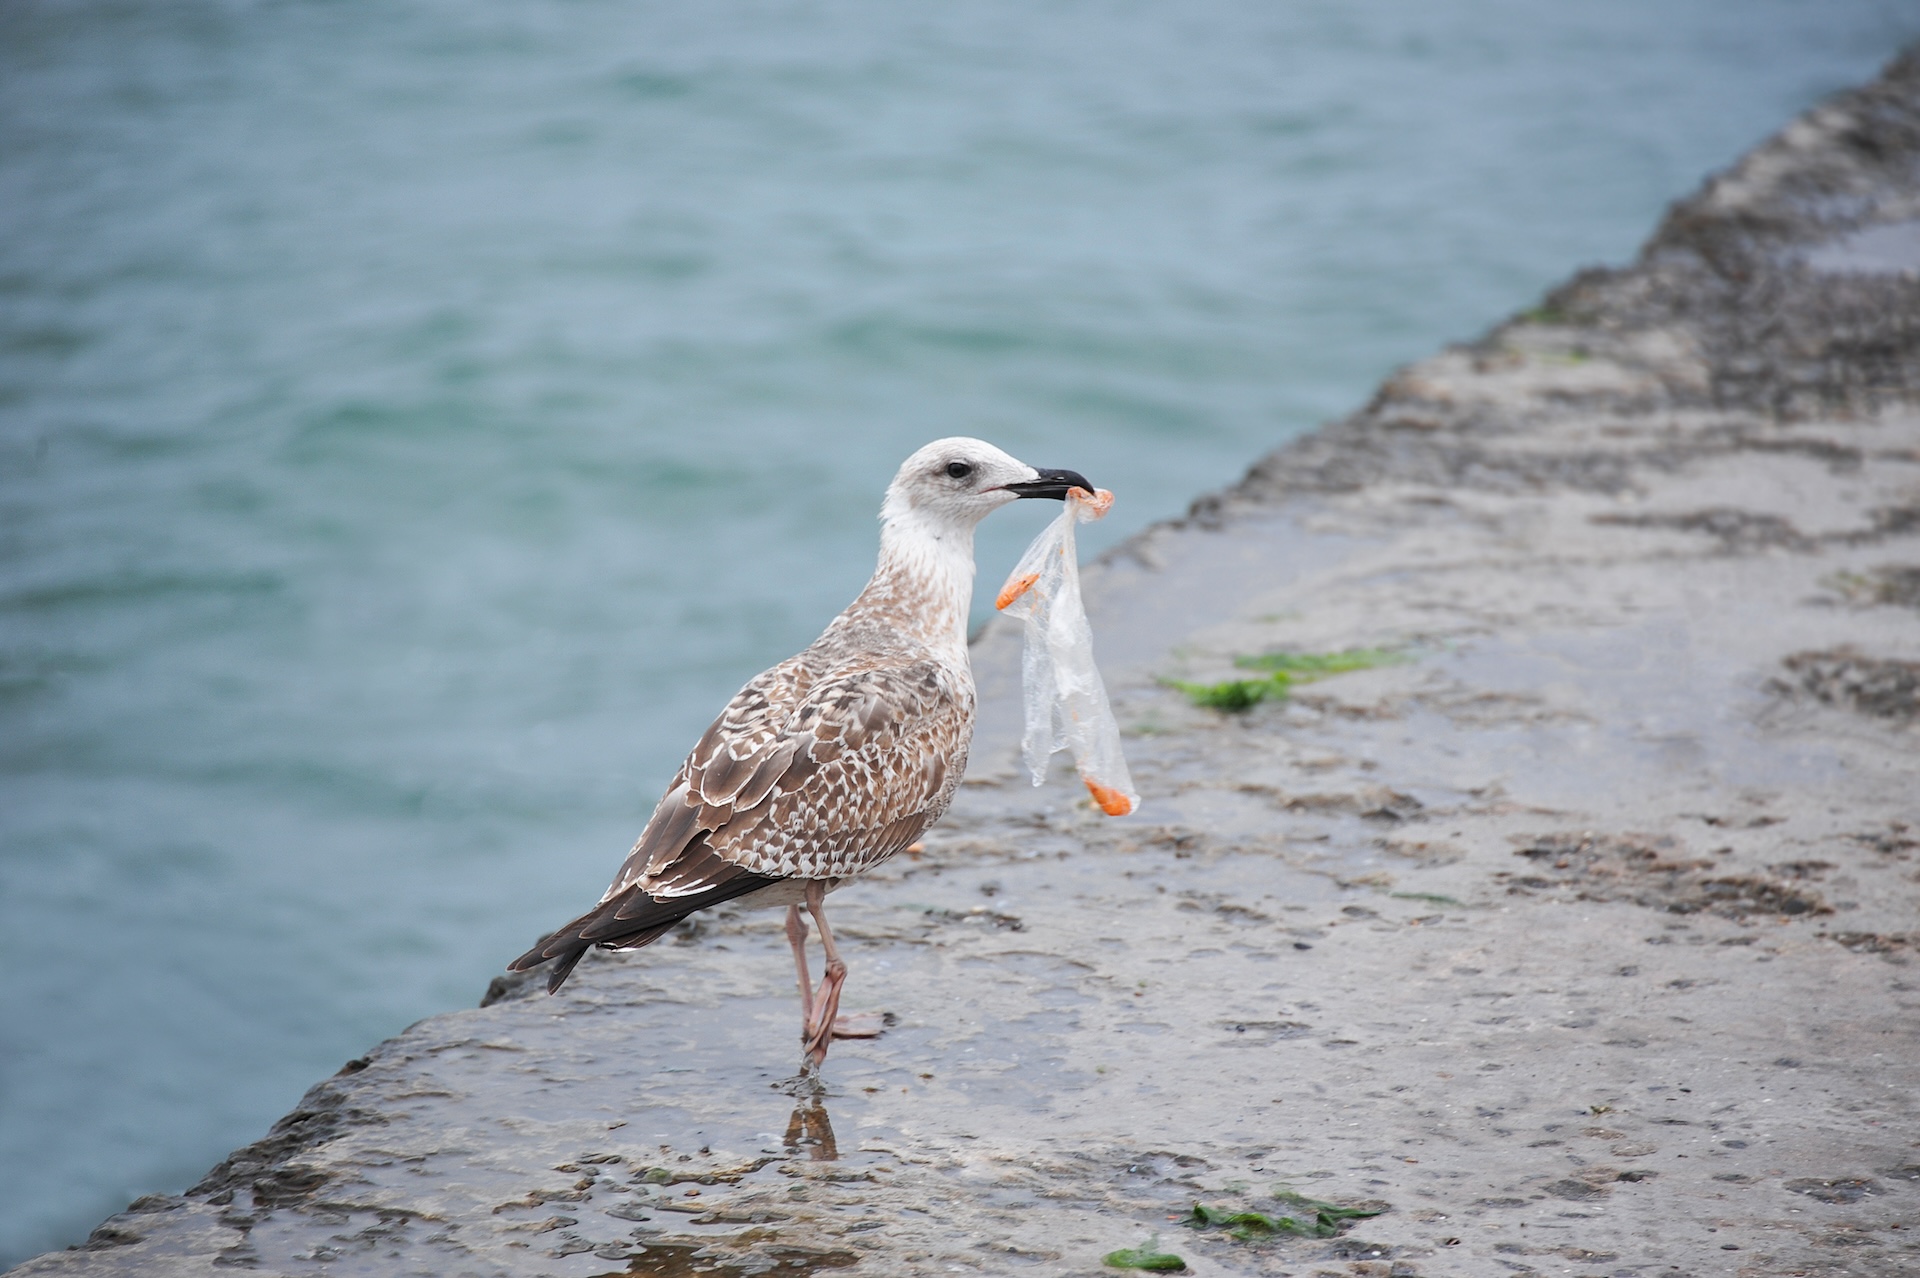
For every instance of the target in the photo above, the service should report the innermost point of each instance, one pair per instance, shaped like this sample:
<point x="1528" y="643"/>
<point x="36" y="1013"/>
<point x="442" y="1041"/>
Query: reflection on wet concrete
<point x="810" y="1131"/>
<point x="692" y="1260"/>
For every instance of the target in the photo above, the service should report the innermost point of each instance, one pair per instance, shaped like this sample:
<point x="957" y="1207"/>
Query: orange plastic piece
<point x="1014" y="589"/>
<point x="1100" y="501"/>
<point x="1111" y="801"/>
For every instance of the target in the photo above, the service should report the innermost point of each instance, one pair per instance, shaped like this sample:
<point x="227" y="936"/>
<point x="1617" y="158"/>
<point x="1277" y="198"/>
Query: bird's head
<point x="955" y="483"/>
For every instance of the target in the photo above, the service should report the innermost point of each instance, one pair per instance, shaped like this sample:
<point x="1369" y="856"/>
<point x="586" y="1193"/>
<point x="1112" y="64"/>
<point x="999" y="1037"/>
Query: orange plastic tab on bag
<point x="1015" y="587"/>
<point x="1111" y="801"/>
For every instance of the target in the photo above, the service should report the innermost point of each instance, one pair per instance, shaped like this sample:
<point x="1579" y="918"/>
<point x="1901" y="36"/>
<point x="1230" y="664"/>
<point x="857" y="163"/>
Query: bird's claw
<point x="826" y="1009"/>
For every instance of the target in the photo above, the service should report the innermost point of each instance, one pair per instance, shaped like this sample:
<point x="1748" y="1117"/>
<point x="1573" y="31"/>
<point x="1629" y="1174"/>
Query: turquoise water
<point x="416" y="419"/>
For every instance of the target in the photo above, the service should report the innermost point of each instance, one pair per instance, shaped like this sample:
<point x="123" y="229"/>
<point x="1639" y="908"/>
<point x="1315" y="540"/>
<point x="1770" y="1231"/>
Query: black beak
<point x="1052" y="483"/>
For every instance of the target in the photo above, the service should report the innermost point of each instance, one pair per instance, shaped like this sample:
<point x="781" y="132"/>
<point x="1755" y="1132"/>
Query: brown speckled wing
<point x="811" y="778"/>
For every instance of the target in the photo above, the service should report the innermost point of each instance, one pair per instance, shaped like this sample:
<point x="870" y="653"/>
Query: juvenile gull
<point x="832" y="761"/>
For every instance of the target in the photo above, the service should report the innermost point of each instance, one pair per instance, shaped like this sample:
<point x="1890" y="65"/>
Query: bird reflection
<point x="811" y="1130"/>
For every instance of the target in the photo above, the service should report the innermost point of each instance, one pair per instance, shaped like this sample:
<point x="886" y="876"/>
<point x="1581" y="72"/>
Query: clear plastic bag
<point x="1066" y="702"/>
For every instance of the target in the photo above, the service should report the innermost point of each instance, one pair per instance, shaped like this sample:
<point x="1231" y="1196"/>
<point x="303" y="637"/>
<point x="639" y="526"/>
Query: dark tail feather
<point x="571" y="958"/>
<point x="646" y="922"/>
<point x="561" y="970"/>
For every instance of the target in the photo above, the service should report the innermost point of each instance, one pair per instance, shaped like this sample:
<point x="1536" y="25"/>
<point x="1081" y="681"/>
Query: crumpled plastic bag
<point x="1066" y="702"/>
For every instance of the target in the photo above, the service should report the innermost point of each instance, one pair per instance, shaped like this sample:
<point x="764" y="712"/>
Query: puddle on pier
<point x="691" y="1260"/>
<point x="1890" y="248"/>
<point x="1646" y="704"/>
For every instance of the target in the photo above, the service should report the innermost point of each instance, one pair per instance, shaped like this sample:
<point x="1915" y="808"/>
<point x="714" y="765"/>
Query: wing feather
<point x="877" y="754"/>
<point x="818" y="785"/>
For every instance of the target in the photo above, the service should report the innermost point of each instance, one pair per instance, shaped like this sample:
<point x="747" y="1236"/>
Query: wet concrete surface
<point x="1580" y="942"/>
<point x="1889" y="249"/>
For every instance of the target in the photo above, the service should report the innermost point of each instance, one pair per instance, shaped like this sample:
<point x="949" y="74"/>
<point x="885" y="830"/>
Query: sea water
<point x="417" y="418"/>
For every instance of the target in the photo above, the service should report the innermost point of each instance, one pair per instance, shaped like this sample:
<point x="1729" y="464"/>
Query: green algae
<point x="1318" y="665"/>
<point x="1146" y="1256"/>
<point x="1232" y="694"/>
<point x="1282" y="671"/>
<point x="1315" y="1219"/>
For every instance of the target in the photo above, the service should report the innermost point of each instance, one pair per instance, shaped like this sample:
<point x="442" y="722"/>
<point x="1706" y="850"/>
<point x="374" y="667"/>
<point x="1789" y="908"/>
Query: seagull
<point x="832" y="761"/>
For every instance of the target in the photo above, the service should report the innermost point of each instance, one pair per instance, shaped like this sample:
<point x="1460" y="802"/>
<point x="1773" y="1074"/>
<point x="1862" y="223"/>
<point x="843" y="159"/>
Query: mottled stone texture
<point x="1582" y="941"/>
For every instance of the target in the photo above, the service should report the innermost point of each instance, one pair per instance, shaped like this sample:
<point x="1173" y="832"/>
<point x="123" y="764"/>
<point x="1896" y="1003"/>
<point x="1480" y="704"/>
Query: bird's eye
<point x="958" y="470"/>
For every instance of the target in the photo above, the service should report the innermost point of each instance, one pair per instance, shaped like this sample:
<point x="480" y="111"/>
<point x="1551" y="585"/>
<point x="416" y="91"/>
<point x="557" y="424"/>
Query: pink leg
<point x="826" y="1004"/>
<point x="797" y="938"/>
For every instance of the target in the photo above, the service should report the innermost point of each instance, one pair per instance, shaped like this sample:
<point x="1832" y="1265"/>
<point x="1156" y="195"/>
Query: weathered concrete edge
<point x="1724" y="273"/>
